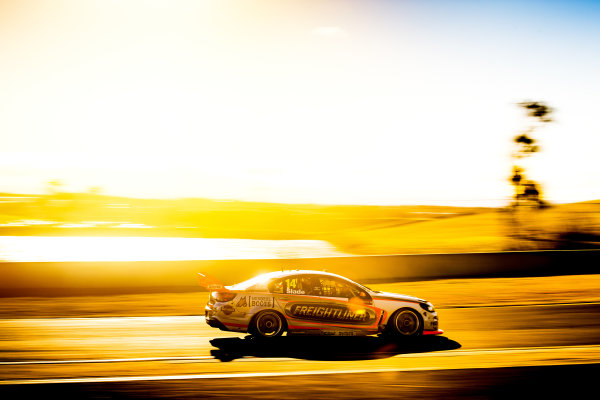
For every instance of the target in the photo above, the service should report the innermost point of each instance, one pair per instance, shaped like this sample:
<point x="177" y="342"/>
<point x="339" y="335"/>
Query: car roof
<point x="280" y="274"/>
<point x="269" y="276"/>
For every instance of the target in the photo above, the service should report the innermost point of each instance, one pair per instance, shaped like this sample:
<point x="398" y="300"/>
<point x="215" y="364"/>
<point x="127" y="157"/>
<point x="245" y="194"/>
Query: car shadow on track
<point x="327" y="348"/>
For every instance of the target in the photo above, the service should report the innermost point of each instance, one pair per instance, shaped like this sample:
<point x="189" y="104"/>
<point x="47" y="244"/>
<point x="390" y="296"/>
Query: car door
<point x="326" y="303"/>
<point x="290" y="292"/>
<point x="354" y="304"/>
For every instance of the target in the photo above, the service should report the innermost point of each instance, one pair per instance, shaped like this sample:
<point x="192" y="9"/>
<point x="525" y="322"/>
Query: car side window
<point x="287" y="285"/>
<point x="314" y="285"/>
<point x="311" y="285"/>
<point x="335" y="288"/>
<point x="276" y="286"/>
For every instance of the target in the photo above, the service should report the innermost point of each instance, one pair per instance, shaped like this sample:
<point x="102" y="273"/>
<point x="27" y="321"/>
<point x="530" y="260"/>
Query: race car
<point x="304" y="302"/>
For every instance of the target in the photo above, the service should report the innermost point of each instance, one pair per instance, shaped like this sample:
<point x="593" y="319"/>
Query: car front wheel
<point x="268" y="324"/>
<point x="406" y="322"/>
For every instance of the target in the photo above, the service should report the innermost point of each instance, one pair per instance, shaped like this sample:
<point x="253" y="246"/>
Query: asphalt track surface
<point x="487" y="352"/>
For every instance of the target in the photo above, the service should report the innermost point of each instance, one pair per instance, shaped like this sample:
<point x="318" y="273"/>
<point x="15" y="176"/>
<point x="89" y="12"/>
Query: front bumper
<point x="436" y="332"/>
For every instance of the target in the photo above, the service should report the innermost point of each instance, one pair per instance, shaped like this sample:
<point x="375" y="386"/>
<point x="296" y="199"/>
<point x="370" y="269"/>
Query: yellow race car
<point x="314" y="303"/>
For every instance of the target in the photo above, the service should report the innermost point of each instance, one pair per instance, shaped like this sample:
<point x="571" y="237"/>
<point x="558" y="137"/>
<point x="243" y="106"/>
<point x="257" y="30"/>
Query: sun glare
<point x="282" y="101"/>
<point x="53" y="249"/>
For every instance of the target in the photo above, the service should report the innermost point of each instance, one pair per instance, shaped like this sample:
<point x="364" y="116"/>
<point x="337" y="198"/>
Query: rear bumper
<point x="215" y="323"/>
<point x="209" y="316"/>
<point x="223" y="321"/>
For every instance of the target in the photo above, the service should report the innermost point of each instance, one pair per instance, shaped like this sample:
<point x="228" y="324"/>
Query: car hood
<point x="396" y="296"/>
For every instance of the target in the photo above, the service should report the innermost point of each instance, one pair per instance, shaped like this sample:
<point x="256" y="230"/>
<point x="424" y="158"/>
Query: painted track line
<point x="587" y="355"/>
<point x="201" y="376"/>
<point x="107" y="360"/>
<point x="147" y="359"/>
<point x="235" y="375"/>
<point x="558" y="304"/>
<point x="457" y="352"/>
<point x="504" y="350"/>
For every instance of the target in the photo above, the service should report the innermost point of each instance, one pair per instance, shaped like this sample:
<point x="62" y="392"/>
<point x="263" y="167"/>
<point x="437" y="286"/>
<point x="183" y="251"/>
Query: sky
<point x="338" y="102"/>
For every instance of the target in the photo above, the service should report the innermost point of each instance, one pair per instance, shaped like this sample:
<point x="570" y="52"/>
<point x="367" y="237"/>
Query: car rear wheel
<point x="268" y="324"/>
<point x="406" y="322"/>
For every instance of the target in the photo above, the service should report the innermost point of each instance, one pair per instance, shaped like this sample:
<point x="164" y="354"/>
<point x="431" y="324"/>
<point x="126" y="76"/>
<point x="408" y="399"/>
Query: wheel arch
<point x="252" y="323"/>
<point x="391" y="320"/>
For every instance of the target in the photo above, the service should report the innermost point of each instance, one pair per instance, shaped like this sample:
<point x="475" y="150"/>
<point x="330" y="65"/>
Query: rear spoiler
<point x="211" y="283"/>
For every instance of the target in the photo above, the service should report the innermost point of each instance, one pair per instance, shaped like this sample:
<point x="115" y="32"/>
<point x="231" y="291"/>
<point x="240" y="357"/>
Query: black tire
<point x="267" y="324"/>
<point x="406" y="322"/>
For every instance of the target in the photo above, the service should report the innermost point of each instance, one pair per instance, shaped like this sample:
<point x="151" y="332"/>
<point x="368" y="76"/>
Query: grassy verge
<point x="443" y="293"/>
<point x="447" y="293"/>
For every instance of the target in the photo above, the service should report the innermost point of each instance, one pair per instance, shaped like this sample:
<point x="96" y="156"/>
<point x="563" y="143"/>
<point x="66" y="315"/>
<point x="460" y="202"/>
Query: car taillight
<point x="223" y="296"/>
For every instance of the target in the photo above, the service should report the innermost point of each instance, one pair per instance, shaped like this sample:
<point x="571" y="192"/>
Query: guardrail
<point x="79" y="278"/>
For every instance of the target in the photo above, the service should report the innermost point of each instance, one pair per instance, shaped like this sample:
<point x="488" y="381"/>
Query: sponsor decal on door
<point x="331" y="313"/>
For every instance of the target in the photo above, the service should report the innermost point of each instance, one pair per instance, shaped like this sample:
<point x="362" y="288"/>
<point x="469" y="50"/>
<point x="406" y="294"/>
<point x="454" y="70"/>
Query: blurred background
<point x="416" y="145"/>
<point x="382" y="127"/>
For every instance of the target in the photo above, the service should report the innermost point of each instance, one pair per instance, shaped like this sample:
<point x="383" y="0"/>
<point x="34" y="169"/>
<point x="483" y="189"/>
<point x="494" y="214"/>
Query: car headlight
<point x="427" y="306"/>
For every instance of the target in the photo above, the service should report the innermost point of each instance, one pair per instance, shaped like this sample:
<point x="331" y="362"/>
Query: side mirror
<point x="362" y="298"/>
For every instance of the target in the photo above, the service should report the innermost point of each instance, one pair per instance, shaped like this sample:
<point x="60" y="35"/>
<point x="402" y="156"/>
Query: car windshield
<point x="372" y="290"/>
<point x="368" y="288"/>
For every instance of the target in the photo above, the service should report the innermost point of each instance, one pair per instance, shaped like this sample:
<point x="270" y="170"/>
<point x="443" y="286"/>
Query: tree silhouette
<point x="527" y="190"/>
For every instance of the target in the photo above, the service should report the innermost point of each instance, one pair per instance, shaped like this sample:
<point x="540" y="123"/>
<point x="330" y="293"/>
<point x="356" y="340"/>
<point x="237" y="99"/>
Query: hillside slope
<point x="480" y="232"/>
<point x="567" y="226"/>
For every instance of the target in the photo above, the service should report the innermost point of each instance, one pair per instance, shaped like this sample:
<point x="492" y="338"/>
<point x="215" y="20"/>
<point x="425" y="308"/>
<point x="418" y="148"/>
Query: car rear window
<point x="257" y="283"/>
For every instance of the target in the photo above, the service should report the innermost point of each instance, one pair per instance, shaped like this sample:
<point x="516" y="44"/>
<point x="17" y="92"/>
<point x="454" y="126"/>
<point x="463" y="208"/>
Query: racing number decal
<point x="292" y="287"/>
<point x="292" y="283"/>
<point x="330" y="313"/>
